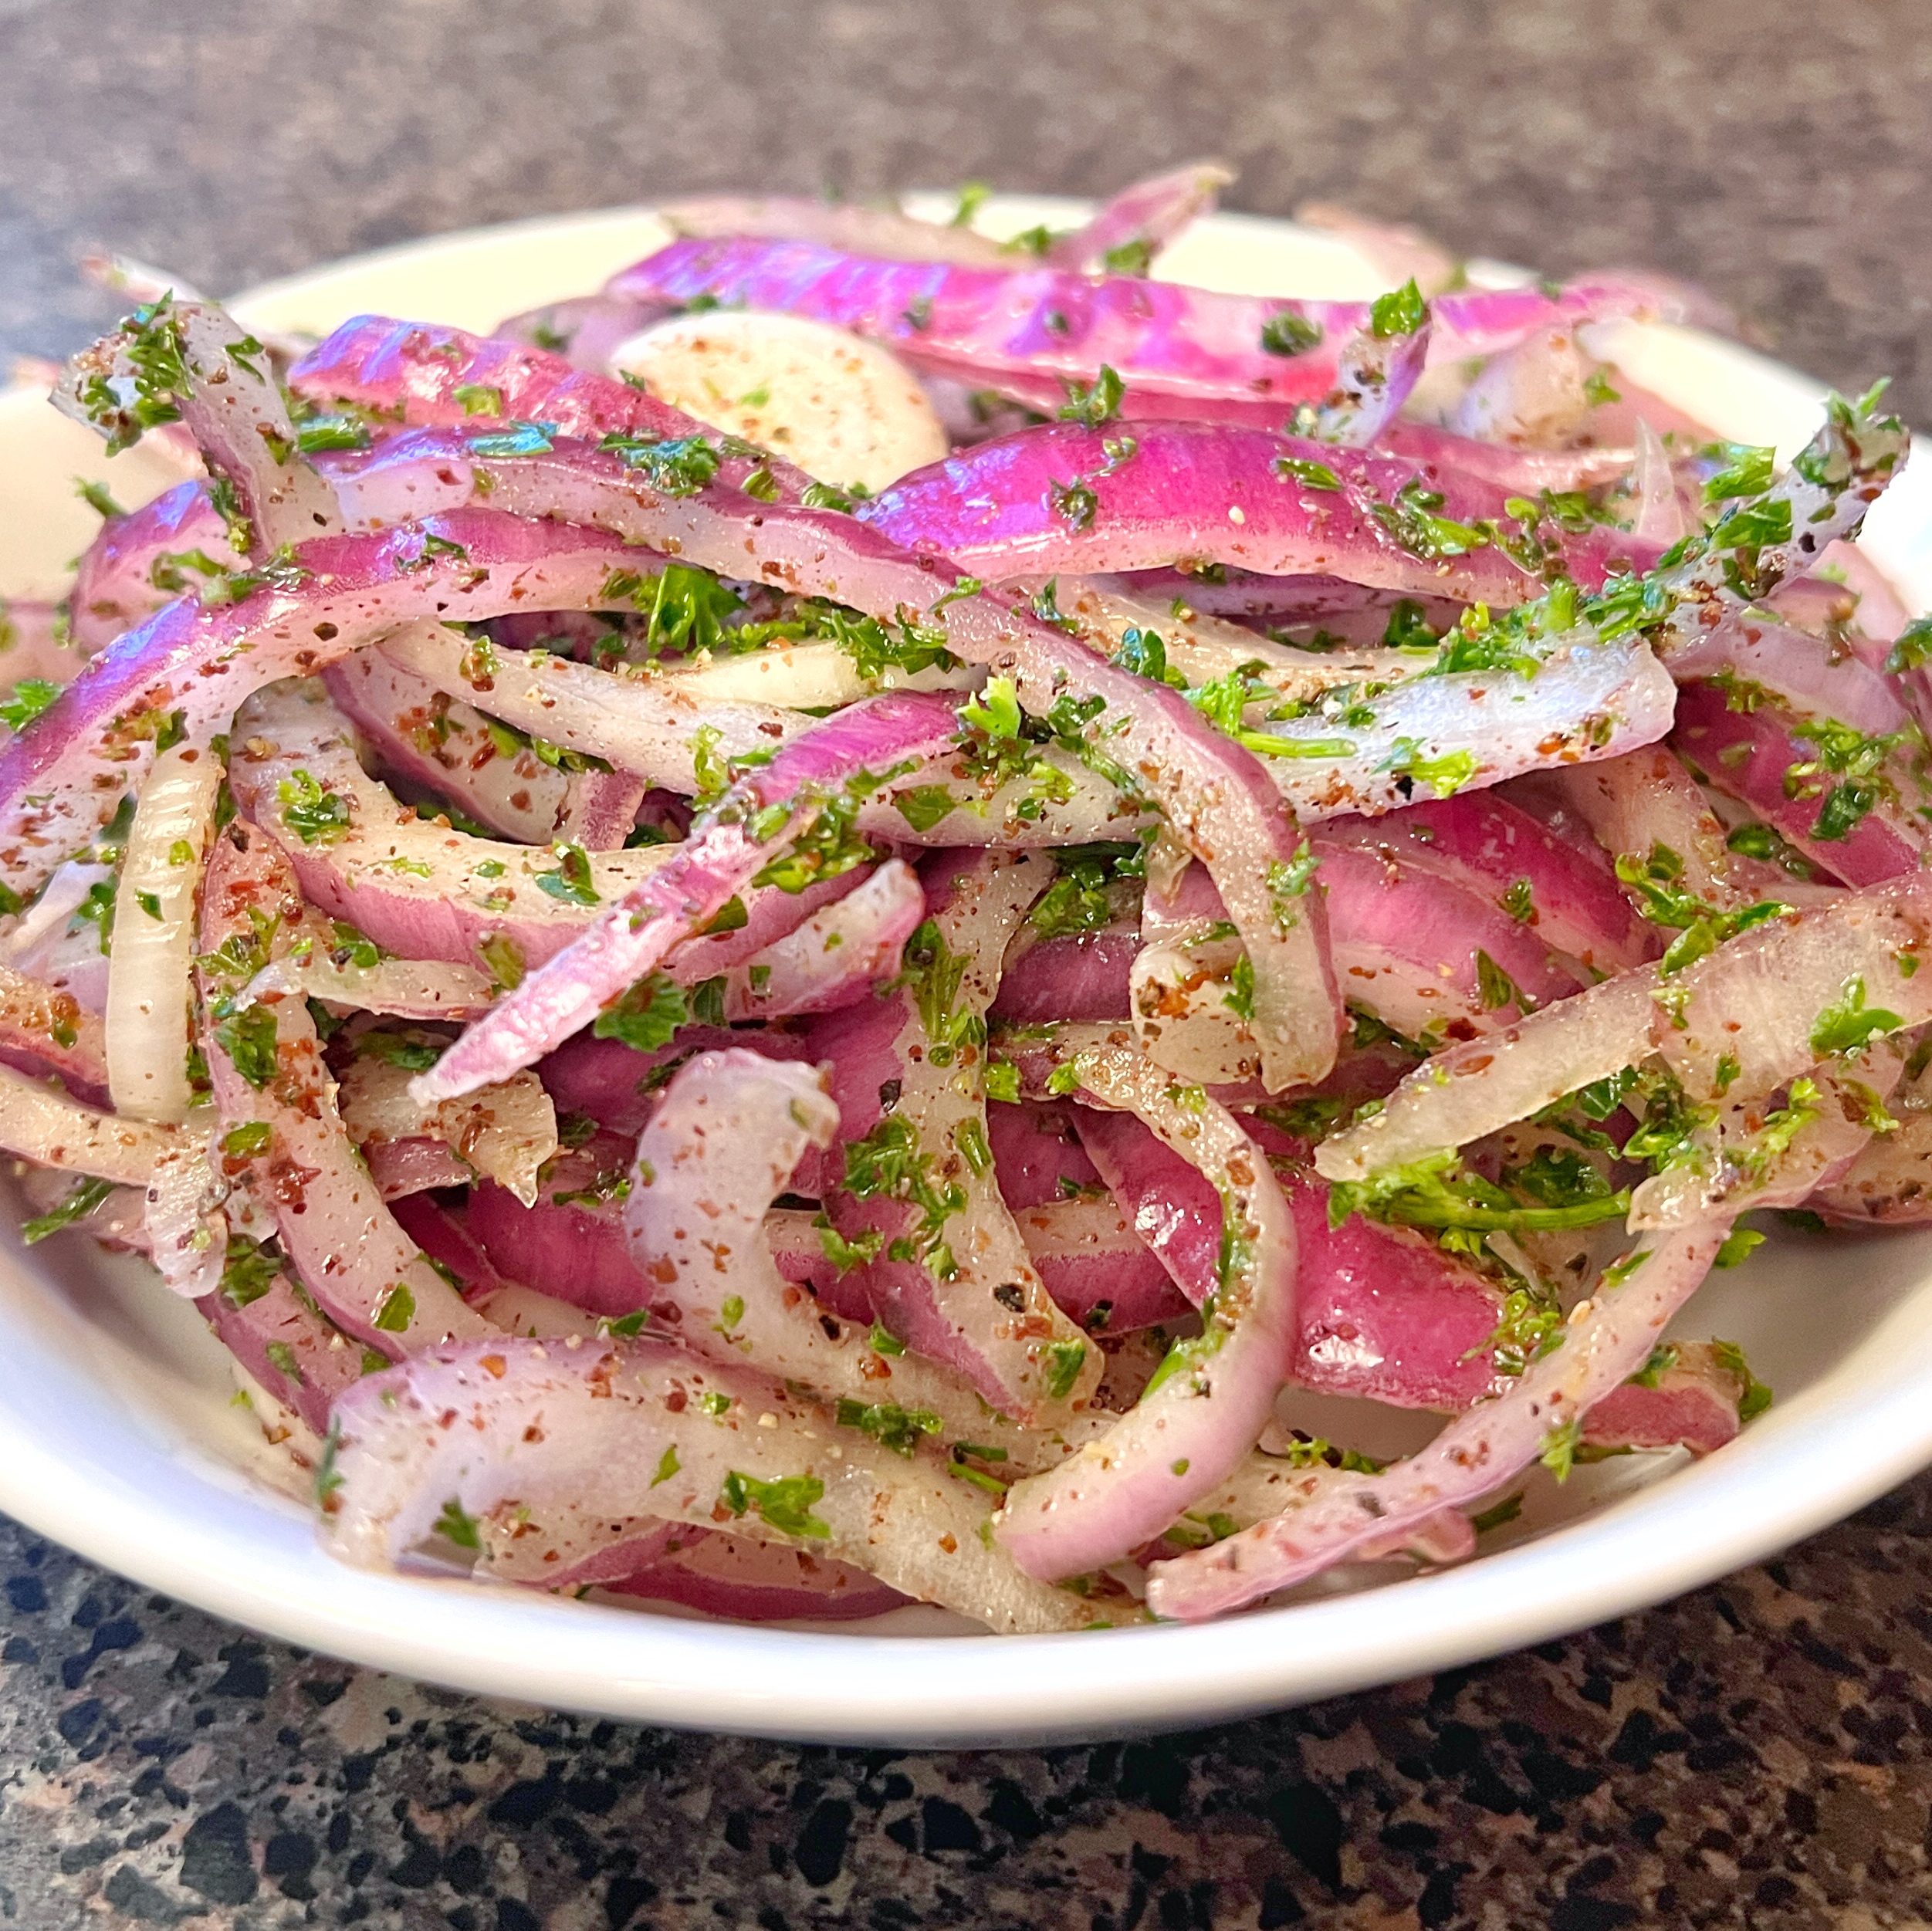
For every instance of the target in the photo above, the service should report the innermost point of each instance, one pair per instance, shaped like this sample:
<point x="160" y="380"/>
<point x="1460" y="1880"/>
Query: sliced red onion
<point x="724" y="1575"/>
<point x="1470" y="729"/>
<point x="1202" y="646"/>
<point x="1764" y="1007"/>
<point x="1138" y="222"/>
<point x="343" y="1243"/>
<point x="148" y="1032"/>
<point x="1037" y="1053"/>
<point x="798" y="677"/>
<point x="1207" y="1403"/>
<point x="429" y="739"/>
<point x="574" y="1244"/>
<point x="1728" y="1171"/>
<point x="1410" y="945"/>
<point x="1535" y="395"/>
<point x="1213" y="791"/>
<point x="138" y="281"/>
<point x="1750" y="755"/>
<point x="1844" y="598"/>
<point x="35" y="642"/>
<point x="115" y="585"/>
<point x="731" y="1129"/>
<point x="62" y="777"/>
<point x="402" y="1169"/>
<point x="1474" y="1454"/>
<point x="582" y="329"/>
<point x="1563" y="890"/>
<point x="1037" y="1154"/>
<point x="502" y="1133"/>
<point x="1831" y="483"/>
<point x="187" y="1233"/>
<point x="1750" y="659"/>
<point x="1782" y="996"/>
<point x="432" y="374"/>
<point x="1025" y="329"/>
<point x="194" y="358"/>
<point x="1187" y="1013"/>
<point x="1488" y="1083"/>
<point x="1382" y="1312"/>
<point x="294" y="1351"/>
<point x="1375" y="374"/>
<point x="323" y="964"/>
<point x="574" y="1435"/>
<point x="1198" y="492"/>
<point x="616" y="1086"/>
<point x="1522" y="472"/>
<point x="39" y="1122"/>
<point x="1692" y="1403"/>
<point x="833" y="958"/>
<point x="1081" y="976"/>
<point x="1890" y="1182"/>
<point x="718" y="863"/>
<point x="1631" y="805"/>
<point x="1266" y="1484"/>
<point x="43" y="1030"/>
<point x="1101" y="1275"/>
<point x="1658" y="515"/>
<point x="51" y="943"/>
<point x="883" y="232"/>
<point x="413" y="887"/>
<point x="646" y="725"/>
<point x="906" y="1078"/>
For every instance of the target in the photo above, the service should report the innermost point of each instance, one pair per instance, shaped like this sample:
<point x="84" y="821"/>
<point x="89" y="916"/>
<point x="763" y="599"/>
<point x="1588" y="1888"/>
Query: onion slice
<point x="46" y="1028"/>
<point x="148" y="992"/>
<point x="758" y="820"/>
<point x="39" y="1122"/>
<point x="194" y="358"/>
<point x="502" y="1133"/>
<point x="1064" y="499"/>
<point x="369" y="1278"/>
<point x="1208" y="1401"/>
<point x="605" y="1432"/>
<point x="732" y="1128"/>
<point x="430" y="374"/>
<point x="949" y="1271"/>
<point x="1472" y="1456"/>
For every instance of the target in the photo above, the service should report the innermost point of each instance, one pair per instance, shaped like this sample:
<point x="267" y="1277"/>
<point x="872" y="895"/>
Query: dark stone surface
<point x="1758" y="1754"/>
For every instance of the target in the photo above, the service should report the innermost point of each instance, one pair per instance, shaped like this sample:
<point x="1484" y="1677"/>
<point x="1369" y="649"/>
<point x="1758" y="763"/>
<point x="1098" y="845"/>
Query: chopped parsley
<point x="249" y="1038"/>
<point x="456" y="1525"/>
<point x="571" y="881"/>
<point x="84" y="1198"/>
<point x="785" y="1503"/>
<point x="891" y="1426"/>
<point x="315" y="815"/>
<point x="1290" y="332"/>
<point x="247" y="1272"/>
<point x="32" y="696"/>
<point x="648" y="1017"/>
<point x="1100" y="402"/>
<point x="1848" y="1024"/>
<point x="1401" y="312"/>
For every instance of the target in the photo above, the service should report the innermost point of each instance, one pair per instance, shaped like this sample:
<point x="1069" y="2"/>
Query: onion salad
<point x="826" y="929"/>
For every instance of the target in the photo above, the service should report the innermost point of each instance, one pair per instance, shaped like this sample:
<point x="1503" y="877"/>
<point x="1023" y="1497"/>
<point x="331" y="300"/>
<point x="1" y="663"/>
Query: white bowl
<point x="118" y="1437"/>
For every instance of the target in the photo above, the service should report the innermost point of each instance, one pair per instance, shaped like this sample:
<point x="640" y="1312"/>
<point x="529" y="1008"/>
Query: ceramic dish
<point x="119" y="1437"/>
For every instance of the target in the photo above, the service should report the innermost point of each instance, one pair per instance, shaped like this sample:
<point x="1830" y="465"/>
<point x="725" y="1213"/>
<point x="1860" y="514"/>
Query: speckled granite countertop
<point x="1757" y="1754"/>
